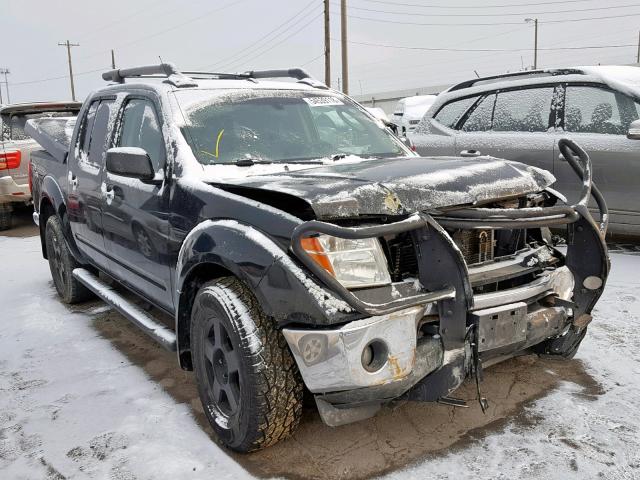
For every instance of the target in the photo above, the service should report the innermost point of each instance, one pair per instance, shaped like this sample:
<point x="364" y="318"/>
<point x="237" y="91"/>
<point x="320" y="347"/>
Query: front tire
<point x="62" y="263"/>
<point x="249" y="383"/>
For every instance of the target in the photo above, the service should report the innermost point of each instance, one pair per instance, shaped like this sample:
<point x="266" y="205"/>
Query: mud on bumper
<point x="355" y="368"/>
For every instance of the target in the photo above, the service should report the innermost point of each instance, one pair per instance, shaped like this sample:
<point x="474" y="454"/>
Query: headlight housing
<point x="354" y="263"/>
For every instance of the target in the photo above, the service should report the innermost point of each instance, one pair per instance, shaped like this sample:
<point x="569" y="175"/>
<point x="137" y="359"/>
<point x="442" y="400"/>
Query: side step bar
<point x="149" y="325"/>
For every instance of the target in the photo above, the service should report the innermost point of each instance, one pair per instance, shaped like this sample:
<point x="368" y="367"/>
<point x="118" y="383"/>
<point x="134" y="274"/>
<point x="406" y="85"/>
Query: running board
<point x="149" y="325"/>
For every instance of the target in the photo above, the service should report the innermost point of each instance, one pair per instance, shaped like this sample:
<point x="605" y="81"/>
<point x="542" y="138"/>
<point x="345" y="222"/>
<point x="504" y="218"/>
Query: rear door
<point x="86" y="164"/>
<point x="136" y="221"/>
<point x="516" y="124"/>
<point x="598" y="119"/>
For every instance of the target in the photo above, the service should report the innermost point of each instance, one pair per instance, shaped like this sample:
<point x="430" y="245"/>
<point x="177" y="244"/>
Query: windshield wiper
<point x="248" y="161"/>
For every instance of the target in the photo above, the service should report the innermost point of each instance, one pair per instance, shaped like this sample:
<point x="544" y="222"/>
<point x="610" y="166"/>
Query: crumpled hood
<point x="401" y="185"/>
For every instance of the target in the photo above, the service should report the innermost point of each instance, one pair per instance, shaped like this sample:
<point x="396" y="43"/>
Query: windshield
<point x="280" y="126"/>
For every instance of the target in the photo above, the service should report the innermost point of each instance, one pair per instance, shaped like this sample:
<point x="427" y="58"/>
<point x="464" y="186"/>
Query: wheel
<point x="5" y="216"/>
<point x="62" y="263"/>
<point x="249" y="383"/>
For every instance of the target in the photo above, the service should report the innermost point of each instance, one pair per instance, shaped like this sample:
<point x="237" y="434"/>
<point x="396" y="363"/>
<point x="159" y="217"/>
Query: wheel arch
<point x="206" y="255"/>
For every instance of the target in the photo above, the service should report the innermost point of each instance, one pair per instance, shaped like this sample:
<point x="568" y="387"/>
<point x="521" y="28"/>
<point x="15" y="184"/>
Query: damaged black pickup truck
<point x="295" y="242"/>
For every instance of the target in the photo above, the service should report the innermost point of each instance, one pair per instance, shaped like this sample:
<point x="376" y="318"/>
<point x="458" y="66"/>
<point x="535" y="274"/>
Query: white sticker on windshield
<point x="323" y="101"/>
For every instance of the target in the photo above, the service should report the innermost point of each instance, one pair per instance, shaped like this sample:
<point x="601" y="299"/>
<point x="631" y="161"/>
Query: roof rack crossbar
<point x="183" y="79"/>
<point x="168" y="70"/>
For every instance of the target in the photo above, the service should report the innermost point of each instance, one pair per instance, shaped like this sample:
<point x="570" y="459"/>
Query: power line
<point x="312" y="60"/>
<point x="445" y="49"/>
<point x="259" y="40"/>
<point x="43" y="80"/>
<point x="519" y="14"/>
<point x="174" y="27"/>
<point x="571" y="20"/>
<point x="252" y="55"/>
<point x="419" y="5"/>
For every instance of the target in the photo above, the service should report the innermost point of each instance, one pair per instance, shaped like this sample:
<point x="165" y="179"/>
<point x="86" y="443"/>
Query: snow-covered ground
<point x="84" y="395"/>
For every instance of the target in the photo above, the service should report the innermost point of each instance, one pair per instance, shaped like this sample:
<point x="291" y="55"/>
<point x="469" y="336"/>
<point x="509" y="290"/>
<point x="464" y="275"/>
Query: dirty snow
<point x="74" y="404"/>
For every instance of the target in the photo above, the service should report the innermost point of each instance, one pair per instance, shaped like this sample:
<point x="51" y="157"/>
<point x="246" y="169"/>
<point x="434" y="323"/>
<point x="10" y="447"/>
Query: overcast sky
<point x="388" y="49"/>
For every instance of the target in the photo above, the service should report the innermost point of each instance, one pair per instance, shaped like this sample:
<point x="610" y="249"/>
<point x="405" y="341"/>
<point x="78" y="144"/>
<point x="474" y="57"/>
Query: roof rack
<point x="515" y="75"/>
<point x="185" y="79"/>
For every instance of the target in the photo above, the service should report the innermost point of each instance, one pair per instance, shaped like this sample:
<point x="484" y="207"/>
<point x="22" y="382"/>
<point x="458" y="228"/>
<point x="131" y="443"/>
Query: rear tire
<point x="249" y="383"/>
<point x="5" y="216"/>
<point x="62" y="263"/>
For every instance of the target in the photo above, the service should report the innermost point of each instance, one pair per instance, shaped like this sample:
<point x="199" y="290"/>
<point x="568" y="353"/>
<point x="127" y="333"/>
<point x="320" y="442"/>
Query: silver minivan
<point x="522" y="116"/>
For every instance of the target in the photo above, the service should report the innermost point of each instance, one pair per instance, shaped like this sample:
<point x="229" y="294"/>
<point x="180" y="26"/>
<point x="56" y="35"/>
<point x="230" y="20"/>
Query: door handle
<point x="470" y="153"/>
<point x="73" y="180"/>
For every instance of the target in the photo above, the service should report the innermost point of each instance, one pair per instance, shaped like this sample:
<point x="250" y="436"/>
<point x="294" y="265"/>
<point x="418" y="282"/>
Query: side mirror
<point x="131" y="162"/>
<point x="391" y="126"/>
<point x="634" y="130"/>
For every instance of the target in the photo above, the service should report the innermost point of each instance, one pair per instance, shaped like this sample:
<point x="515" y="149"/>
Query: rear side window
<point x="480" y="119"/>
<point x="450" y="114"/>
<point x="140" y="128"/>
<point x="526" y="110"/>
<point x="597" y="110"/>
<point x="99" y="132"/>
<point x="84" y="135"/>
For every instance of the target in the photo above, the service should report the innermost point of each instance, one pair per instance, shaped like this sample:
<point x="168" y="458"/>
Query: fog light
<point x="313" y="348"/>
<point x="374" y="355"/>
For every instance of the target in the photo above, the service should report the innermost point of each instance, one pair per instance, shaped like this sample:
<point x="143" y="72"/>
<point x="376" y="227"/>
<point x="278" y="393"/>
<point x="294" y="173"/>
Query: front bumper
<point x="332" y="360"/>
<point x="11" y="192"/>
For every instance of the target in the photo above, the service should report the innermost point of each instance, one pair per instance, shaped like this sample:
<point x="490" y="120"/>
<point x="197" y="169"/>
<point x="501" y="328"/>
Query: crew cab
<point x="16" y="147"/>
<point x="296" y="243"/>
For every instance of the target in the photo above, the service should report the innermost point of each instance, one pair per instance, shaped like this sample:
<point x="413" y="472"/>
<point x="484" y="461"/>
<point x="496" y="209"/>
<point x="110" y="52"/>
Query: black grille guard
<point x="429" y="234"/>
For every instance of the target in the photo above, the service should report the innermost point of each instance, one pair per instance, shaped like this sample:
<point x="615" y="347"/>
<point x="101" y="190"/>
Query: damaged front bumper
<point x="355" y="368"/>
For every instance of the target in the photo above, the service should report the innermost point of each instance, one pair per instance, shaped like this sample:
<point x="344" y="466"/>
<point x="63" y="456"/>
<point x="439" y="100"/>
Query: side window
<point x="480" y="119"/>
<point x="84" y="135"/>
<point x="449" y="114"/>
<point x="525" y="110"/>
<point x="140" y="128"/>
<point x="97" y="143"/>
<point x="597" y="110"/>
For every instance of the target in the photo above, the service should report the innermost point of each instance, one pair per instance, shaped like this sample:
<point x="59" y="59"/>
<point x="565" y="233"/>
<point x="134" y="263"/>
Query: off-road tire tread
<point x="74" y="291"/>
<point x="271" y="372"/>
<point x="5" y="216"/>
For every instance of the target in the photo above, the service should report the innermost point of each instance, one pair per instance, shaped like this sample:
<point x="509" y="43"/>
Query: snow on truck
<point x="296" y="243"/>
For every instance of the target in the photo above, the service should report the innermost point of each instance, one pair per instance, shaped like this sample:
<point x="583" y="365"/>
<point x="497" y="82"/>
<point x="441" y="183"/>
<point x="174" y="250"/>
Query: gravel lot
<point x="85" y="395"/>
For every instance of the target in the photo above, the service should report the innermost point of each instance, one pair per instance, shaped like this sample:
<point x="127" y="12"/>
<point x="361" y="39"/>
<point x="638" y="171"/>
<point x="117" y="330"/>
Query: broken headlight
<point x="354" y="263"/>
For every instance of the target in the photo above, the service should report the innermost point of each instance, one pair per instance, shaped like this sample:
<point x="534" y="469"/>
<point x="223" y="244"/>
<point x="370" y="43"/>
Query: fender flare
<point x="285" y="292"/>
<point x="51" y="191"/>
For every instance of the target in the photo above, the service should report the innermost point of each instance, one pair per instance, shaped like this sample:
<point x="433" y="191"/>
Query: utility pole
<point x="638" y="55"/>
<point x="327" y="45"/>
<point x="113" y="60"/>
<point x="69" y="45"/>
<point x="345" y="62"/>
<point x="5" y="72"/>
<point x="535" y="40"/>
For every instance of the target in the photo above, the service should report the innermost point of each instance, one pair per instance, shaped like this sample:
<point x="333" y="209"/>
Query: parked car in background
<point x="409" y="111"/>
<point x="522" y="116"/>
<point x="378" y="113"/>
<point x="16" y="147"/>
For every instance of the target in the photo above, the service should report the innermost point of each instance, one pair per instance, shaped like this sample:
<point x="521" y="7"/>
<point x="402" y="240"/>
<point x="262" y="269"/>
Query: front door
<point x="135" y="219"/>
<point x="598" y="119"/>
<point x="84" y="201"/>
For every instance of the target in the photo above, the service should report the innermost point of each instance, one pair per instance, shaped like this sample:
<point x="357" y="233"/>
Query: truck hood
<point x="397" y="186"/>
